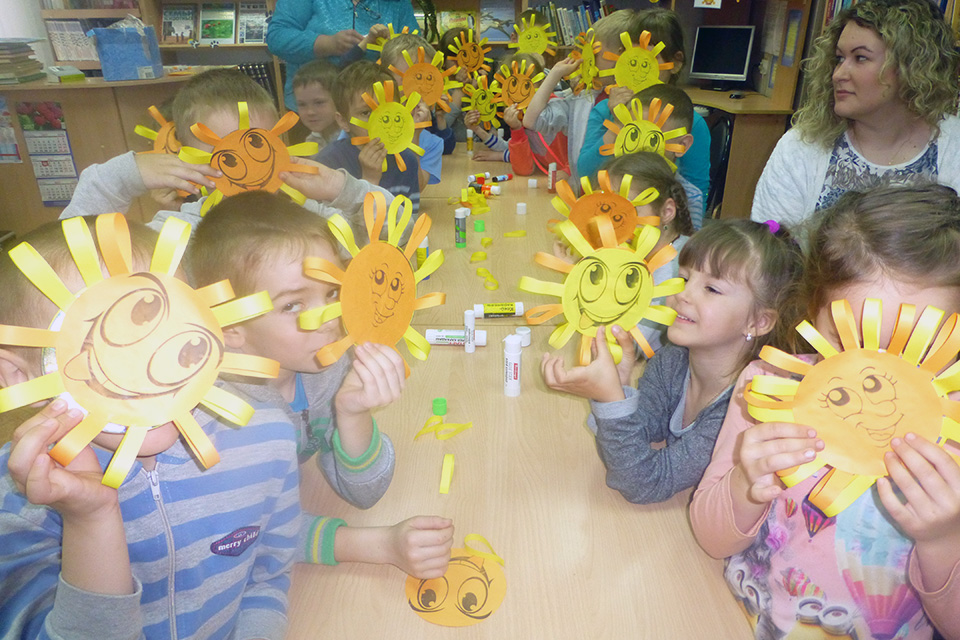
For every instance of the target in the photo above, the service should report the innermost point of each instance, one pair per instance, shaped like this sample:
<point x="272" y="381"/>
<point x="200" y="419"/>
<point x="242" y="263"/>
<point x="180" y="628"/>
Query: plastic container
<point x="460" y="227"/>
<point x="512" y="353"/>
<point x="498" y="310"/>
<point x="455" y="337"/>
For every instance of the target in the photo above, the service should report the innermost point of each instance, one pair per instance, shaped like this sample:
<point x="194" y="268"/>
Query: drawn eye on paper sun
<point x="165" y="138"/>
<point x="609" y="202"/>
<point x="608" y="285"/>
<point x="429" y="79"/>
<point x="250" y="159"/>
<point x="471" y="55"/>
<point x="133" y="349"/>
<point x="861" y="397"/>
<point x="587" y="49"/>
<point x="378" y="290"/>
<point x="636" y="133"/>
<point x="534" y="38"/>
<point x="637" y="67"/>
<point x="517" y="85"/>
<point x="484" y="99"/>
<point x="391" y="121"/>
<point x="378" y="45"/>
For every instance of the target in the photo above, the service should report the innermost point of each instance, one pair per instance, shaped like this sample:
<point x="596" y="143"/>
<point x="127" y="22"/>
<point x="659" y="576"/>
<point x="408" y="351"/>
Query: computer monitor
<point x="722" y="54"/>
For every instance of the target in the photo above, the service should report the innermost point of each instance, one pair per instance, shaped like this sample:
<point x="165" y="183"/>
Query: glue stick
<point x="460" y="227"/>
<point x="498" y="310"/>
<point x="552" y="178"/>
<point x="512" y="352"/>
<point x="503" y="178"/>
<point x="455" y="337"/>
<point x="470" y="143"/>
<point x="469" y="326"/>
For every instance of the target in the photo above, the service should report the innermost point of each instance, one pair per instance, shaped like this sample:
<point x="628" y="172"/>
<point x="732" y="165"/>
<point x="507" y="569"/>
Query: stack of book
<point x="18" y="62"/>
<point x="214" y="23"/>
<point x="571" y="22"/>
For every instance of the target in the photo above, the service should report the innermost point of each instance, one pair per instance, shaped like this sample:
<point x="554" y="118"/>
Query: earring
<point x="749" y="337"/>
<point x="665" y="227"/>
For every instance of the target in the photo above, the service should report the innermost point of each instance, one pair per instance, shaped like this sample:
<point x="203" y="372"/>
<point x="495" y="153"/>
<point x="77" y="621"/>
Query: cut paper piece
<point x="862" y="396"/>
<point x="483" y="99"/>
<point x="378" y="291"/>
<point x="471" y="54"/>
<point x="250" y="159"/>
<point x="446" y="473"/>
<point x="478" y="256"/>
<point x="607" y="201"/>
<point x="475" y="201"/>
<point x="637" y="67"/>
<point x="608" y="285"/>
<point x="534" y="38"/>
<point x="486" y="242"/>
<point x="473" y="587"/>
<point x="428" y="78"/>
<point x="165" y="138"/>
<point x="636" y="133"/>
<point x="378" y="45"/>
<point x="587" y="74"/>
<point x="391" y="121"/>
<point x="442" y="430"/>
<point x="517" y="84"/>
<point x="134" y="350"/>
<point x="489" y="282"/>
<point x="520" y="233"/>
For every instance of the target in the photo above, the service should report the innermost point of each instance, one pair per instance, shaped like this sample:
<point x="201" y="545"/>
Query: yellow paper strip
<point x="244" y="308"/>
<point x="124" y="457"/>
<point x="417" y="345"/>
<point x="486" y="242"/>
<point x="170" y="246"/>
<point x="922" y="335"/>
<point x="490" y="284"/>
<point x="82" y="248"/>
<point x="77" y="438"/>
<point x="775" y="386"/>
<point x="249" y="365"/>
<point x="113" y="235"/>
<point x="431" y="264"/>
<point x="227" y="405"/>
<point x="446" y="473"/>
<point x="817" y="341"/>
<point x="515" y="234"/>
<point x="313" y="319"/>
<point x="35" y="390"/>
<point x="216" y="293"/>
<point x="870" y="321"/>
<point x="27" y="336"/>
<point x="490" y="555"/>
<point x="197" y="440"/>
<point x="478" y="256"/>
<point x="41" y="274"/>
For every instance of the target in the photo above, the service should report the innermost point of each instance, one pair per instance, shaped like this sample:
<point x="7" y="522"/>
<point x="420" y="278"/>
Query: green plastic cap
<point x="439" y="406"/>
<point x="479" y="226"/>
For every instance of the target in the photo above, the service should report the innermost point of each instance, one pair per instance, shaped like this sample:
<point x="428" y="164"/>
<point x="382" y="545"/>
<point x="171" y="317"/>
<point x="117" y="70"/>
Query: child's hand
<point x="472" y="120"/>
<point x="463" y="75"/>
<point x="487" y="155"/>
<point x="337" y="44"/>
<point x="420" y="113"/>
<point x="512" y="116"/>
<point x="372" y="156"/>
<point x="619" y="95"/>
<point x="600" y="380"/>
<point x="770" y="447"/>
<point x="563" y="251"/>
<point x="420" y="546"/>
<point x="376" y="31"/>
<point x="376" y="379"/>
<point x="167" y="171"/>
<point x="566" y="66"/>
<point x="324" y="186"/>
<point x="168" y="199"/>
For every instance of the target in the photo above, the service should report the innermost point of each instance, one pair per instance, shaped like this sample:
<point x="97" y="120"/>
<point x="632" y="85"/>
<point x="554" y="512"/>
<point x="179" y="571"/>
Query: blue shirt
<point x="342" y="154"/>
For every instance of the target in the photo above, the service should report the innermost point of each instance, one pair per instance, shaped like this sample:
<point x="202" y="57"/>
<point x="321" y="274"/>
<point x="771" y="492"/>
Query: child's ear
<point x="13" y="369"/>
<point x="342" y="122"/>
<point x="686" y="141"/>
<point x="668" y="212"/>
<point x="677" y="63"/>
<point x="763" y="322"/>
<point x="234" y="336"/>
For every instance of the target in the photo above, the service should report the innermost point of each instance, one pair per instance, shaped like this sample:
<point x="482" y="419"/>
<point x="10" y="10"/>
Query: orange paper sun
<point x="516" y="84"/>
<point x="134" y="350"/>
<point x="165" y="138"/>
<point x="608" y="285"/>
<point x="250" y="159"/>
<point x="636" y="133"/>
<point x="378" y="45"/>
<point x="588" y="48"/>
<point x="428" y="79"/>
<point x="863" y="396"/>
<point x="534" y="38"/>
<point x="484" y="99"/>
<point x="637" y="67"/>
<point x="606" y="202"/>
<point x="378" y="294"/>
<point x="471" y="55"/>
<point x="391" y="121"/>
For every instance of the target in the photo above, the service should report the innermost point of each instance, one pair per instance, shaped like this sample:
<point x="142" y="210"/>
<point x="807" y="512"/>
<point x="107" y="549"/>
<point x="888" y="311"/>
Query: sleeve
<point x="941" y="606"/>
<point x="353" y="55"/>
<point x="446" y="135"/>
<point x="286" y="36"/>
<point x="711" y="510"/>
<point x="521" y="155"/>
<point x="788" y="179"/>
<point x="106" y="188"/>
<point x="496" y="143"/>
<point x="694" y="165"/>
<point x="432" y="159"/>
<point x="317" y="537"/>
<point x="363" y="480"/>
<point x="405" y="16"/>
<point x="590" y="159"/>
<point x="554" y="118"/>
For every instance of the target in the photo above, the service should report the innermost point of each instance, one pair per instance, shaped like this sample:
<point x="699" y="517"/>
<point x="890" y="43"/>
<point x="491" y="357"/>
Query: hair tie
<point x="773" y="225"/>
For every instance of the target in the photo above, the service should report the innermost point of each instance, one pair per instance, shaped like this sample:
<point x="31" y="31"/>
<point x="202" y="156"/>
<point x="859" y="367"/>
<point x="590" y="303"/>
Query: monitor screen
<point x="722" y="53"/>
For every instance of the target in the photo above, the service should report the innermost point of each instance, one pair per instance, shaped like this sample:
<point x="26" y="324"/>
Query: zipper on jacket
<point x="154" y="479"/>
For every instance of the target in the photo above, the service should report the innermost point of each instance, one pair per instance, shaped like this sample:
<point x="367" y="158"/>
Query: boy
<point x="329" y="405"/>
<point x="210" y="97"/>
<point x="312" y="88"/>
<point x="83" y="560"/>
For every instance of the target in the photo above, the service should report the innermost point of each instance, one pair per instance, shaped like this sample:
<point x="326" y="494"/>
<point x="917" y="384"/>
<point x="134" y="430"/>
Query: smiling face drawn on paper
<point x="149" y="318"/>
<point x="425" y="79"/>
<point x="609" y="286"/>
<point x="249" y="160"/>
<point x="637" y="68"/>
<point x="533" y="40"/>
<point x="381" y="310"/>
<point x="483" y="103"/>
<point x="621" y="212"/>
<point x="166" y="141"/>
<point x="470" y="56"/>
<point x="393" y="124"/>
<point x="639" y="135"/>
<point x="466" y="594"/>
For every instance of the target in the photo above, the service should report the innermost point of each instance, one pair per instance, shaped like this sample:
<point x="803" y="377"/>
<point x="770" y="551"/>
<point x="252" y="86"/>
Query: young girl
<point x="900" y="245"/>
<point x="737" y="274"/>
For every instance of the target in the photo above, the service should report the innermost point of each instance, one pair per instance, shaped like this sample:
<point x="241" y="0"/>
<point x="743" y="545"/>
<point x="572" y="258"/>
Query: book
<point x="496" y="20"/>
<point x="218" y="22"/>
<point x="252" y="23"/>
<point x="179" y="23"/>
<point x="447" y="20"/>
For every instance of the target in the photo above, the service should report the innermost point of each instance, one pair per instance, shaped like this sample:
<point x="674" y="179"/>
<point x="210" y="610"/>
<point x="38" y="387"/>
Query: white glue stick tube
<point x="512" y="352"/>
<point x="469" y="326"/>
<point x="498" y="310"/>
<point x="455" y="337"/>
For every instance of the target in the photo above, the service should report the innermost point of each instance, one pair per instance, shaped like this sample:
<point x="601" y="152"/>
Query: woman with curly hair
<point x="879" y="107"/>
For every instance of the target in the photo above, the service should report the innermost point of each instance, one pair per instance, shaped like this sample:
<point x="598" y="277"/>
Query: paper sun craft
<point x="863" y="396"/>
<point x="250" y="159"/>
<point x="637" y="67"/>
<point x="606" y="201"/>
<point x="608" y="285"/>
<point x="636" y="133"/>
<point x="484" y="99"/>
<point x="378" y="45"/>
<point x="391" y="121"/>
<point x="516" y="84"/>
<point x="534" y="38"/>
<point x="378" y="291"/>
<point x="471" y="55"/>
<point x="165" y="138"/>
<point x="429" y="79"/>
<point x="587" y="50"/>
<point x="134" y="350"/>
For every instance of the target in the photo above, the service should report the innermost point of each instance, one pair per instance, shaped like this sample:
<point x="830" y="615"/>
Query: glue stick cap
<point x="524" y="333"/>
<point x="479" y="226"/>
<point x="532" y="183"/>
<point x="480" y="337"/>
<point x="495" y="189"/>
<point x="439" y="406"/>
<point x="513" y="343"/>
<point x="521" y="208"/>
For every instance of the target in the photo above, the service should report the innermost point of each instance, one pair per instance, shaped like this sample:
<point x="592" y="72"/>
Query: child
<point x="737" y="275"/>
<point x="329" y="405"/>
<point x="682" y="116"/>
<point x="312" y="88"/>
<point x="570" y="113"/>
<point x="83" y="560"/>
<point x="897" y="244"/>
<point x="454" y="119"/>
<point x="210" y="97"/>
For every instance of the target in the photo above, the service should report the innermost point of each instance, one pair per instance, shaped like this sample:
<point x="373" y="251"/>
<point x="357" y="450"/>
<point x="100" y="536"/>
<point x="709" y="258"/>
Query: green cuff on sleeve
<point x="366" y="458"/>
<point x="320" y="541"/>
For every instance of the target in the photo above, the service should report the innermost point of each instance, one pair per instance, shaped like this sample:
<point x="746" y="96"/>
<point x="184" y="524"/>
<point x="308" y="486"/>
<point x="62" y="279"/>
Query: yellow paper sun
<point x="429" y="79"/>
<point x="250" y="159"/>
<point x="637" y="67"/>
<point x="863" y="396"/>
<point x="378" y="45"/>
<point x="607" y="201"/>
<point x="165" y="138"/>
<point x="609" y="285"/>
<point x="391" y="121"/>
<point x="484" y="99"/>
<point x="587" y="50"/>
<point x="534" y="38"/>
<point x="636" y="133"/>
<point x="516" y="84"/>
<point x="471" y="55"/>
<point x="133" y="349"/>
<point x="378" y="293"/>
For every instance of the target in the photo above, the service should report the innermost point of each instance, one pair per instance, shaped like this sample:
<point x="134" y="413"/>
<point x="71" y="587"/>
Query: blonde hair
<point x="215" y="90"/>
<point x="650" y="169"/>
<point x="609" y="28"/>
<point x="393" y="49"/>
<point x="534" y="60"/>
<point x="919" y="48"/>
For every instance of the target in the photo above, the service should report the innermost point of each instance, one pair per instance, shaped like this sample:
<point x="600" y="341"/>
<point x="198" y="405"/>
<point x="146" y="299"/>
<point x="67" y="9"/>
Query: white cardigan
<point x="793" y="177"/>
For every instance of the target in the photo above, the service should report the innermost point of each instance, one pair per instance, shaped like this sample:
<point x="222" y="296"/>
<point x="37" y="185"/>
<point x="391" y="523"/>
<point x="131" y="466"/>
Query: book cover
<point x="455" y="20"/>
<point x="252" y="23"/>
<point x="496" y="20"/>
<point x="179" y="24"/>
<point x="218" y="22"/>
